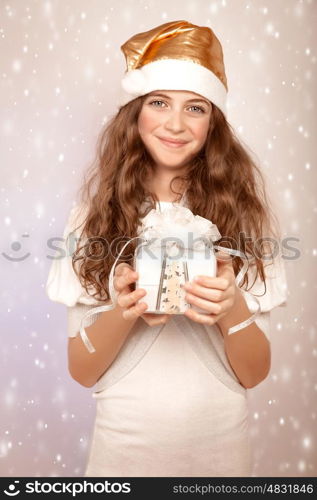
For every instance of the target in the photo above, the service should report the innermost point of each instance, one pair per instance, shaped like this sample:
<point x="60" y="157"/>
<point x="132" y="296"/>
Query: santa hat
<point x="175" y="56"/>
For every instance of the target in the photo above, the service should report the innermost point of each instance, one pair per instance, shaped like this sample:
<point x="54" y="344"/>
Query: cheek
<point x="201" y="130"/>
<point x="146" y="122"/>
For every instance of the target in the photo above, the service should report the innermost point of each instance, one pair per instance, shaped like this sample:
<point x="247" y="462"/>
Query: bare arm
<point x="248" y="351"/>
<point x="107" y="335"/>
<point x="109" y="332"/>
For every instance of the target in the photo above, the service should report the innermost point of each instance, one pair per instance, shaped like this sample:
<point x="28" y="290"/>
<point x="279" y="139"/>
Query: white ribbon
<point x="179" y="221"/>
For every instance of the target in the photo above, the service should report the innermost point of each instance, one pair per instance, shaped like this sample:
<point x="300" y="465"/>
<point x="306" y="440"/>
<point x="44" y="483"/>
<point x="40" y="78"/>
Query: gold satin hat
<point x="175" y="56"/>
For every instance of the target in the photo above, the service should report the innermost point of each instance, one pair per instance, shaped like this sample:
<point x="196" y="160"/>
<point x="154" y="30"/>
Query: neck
<point x="159" y="184"/>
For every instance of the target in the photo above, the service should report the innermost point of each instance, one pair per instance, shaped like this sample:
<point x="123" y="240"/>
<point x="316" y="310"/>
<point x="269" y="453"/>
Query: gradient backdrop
<point x="60" y="70"/>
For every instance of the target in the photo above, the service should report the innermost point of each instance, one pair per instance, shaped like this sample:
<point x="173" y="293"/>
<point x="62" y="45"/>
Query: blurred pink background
<point x="60" y="70"/>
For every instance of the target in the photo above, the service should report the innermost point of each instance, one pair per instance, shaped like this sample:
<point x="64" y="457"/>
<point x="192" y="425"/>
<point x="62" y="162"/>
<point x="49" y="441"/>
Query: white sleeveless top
<point x="207" y="341"/>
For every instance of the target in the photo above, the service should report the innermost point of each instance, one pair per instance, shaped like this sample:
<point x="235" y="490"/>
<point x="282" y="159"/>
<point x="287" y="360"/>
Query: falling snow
<point x="60" y="70"/>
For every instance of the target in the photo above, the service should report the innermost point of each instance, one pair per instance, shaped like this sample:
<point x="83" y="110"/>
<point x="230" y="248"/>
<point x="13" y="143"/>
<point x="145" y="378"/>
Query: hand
<point x="215" y="295"/>
<point x="124" y="276"/>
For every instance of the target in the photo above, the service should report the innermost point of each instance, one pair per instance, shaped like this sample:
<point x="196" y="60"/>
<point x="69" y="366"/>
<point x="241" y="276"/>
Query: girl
<point x="171" y="390"/>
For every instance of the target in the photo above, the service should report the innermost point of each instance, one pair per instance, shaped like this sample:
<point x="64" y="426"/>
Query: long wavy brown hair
<point x="223" y="184"/>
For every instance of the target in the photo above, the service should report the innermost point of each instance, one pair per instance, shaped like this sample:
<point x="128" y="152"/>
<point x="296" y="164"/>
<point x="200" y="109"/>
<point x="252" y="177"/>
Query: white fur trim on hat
<point x="173" y="74"/>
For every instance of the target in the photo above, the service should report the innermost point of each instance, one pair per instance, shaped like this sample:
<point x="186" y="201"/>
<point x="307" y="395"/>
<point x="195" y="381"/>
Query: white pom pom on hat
<point x="134" y="82"/>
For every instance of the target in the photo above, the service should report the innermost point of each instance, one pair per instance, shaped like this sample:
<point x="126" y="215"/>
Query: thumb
<point x="224" y="264"/>
<point x="121" y="267"/>
<point x="223" y="258"/>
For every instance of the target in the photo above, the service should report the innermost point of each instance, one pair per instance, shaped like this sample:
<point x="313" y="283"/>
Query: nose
<point x="175" y="121"/>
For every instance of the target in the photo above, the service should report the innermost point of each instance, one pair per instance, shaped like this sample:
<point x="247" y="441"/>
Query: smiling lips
<point x="172" y="143"/>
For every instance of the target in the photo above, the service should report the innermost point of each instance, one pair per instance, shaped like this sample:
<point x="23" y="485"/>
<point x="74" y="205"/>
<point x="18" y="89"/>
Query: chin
<point x="172" y="159"/>
<point x="171" y="164"/>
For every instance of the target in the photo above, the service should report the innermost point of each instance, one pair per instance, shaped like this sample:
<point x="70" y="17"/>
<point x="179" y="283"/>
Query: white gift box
<point x="176" y="247"/>
<point x="163" y="276"/>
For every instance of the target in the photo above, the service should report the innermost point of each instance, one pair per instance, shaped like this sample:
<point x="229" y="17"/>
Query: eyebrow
<point x="189" y="100"/>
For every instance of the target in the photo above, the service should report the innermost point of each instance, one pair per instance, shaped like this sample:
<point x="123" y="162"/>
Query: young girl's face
<point x="178" y="116"/>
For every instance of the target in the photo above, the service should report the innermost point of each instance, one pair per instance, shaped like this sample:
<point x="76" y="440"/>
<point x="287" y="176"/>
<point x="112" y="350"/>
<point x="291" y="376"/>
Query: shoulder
<point x="274" y="291"/>
<point x="62" y="283"/>
<point x="76" y="218"/>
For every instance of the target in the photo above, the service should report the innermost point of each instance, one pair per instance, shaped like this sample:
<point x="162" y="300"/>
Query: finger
<point x="163" y="317"/>
<point x="121" y="268"/>
<point x="217" y="282"/>
<point x="135" y="311"/>
<point x="127" y="278"/>
<point x="204" y="292"/>
<point x="211" y="318"/>
<point x="206" y="319"/>
<point x="223" y="257"/>
<point x="155" y="319"/>
<point x="128" y="299"/>
<point x="206" y="305"/>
